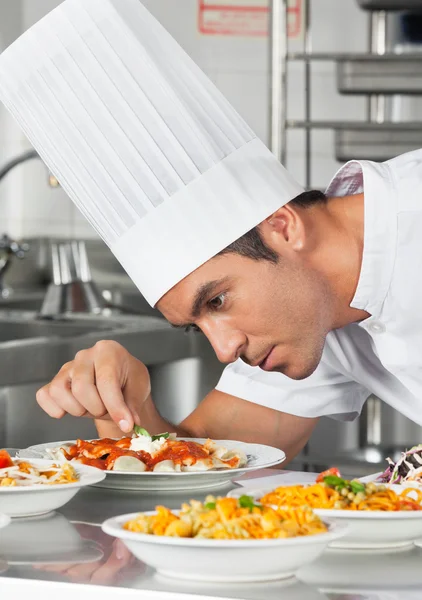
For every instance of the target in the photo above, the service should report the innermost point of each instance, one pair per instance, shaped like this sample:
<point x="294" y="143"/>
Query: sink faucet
<point x="28" y="155"/>
<point x="8" y="249"/>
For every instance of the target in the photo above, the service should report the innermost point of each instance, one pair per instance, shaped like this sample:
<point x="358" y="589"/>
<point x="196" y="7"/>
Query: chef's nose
<point x="228" y="343"/>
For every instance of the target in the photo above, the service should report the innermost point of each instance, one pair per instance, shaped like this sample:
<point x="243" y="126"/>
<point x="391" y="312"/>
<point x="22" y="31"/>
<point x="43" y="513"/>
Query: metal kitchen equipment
<point x="72" y="289"/>
<point x="390" y="4"/>
<point x="8" y="249"/>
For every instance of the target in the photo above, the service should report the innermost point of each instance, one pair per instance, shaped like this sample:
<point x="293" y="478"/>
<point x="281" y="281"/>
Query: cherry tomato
<point x="5" y="460"/>
<point x="332" y="471"/>
<point x="409" y="504"/>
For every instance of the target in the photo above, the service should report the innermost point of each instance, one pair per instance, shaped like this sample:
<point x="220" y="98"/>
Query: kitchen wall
<point x="237" y="65"/>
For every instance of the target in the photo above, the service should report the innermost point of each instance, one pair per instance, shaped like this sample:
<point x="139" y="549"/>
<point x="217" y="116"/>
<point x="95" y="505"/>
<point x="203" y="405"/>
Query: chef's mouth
<point x="262" y="363"/>
<point x="267" y="363"/>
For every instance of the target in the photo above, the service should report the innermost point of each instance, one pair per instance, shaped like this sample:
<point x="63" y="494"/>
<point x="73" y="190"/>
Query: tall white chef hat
<point x="144" y="144"/>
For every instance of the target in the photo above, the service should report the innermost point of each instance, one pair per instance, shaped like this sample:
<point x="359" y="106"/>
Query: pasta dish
<point x="21" y="473"/>
<point x="228" y="518"/>
<point x="143" y="452"/>
<point x="333" y="492"/>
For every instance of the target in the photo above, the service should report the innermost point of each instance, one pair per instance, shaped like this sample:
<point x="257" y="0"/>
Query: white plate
<point x="223" y="560"/>
<point x="369" y="478"/>
<point x="259" y="457"/>
<point x="27" y="501"/>
<point x="282" y="589"/>
<point x="4" y="520"/>
<point x="405" y="484"/>
<point x="47" y="539"/>
<point x="367" y="529"/>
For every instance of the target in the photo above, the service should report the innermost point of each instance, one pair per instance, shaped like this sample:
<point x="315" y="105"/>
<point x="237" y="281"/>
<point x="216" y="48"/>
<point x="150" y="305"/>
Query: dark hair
<point x="251" y="244"/>
<point x="307" y="199"/>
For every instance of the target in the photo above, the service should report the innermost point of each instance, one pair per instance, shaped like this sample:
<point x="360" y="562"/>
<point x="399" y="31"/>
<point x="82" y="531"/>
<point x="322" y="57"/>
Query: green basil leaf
<point x="160" y="435"/>
<point x="210" y="505"/>
<point x="141" y="431"/>
<point x="247" y="502"/>
<point x="334" y="481"/>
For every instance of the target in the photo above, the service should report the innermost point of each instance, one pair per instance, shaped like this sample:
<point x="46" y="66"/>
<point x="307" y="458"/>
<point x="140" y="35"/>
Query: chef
<point x="313" y="300"/>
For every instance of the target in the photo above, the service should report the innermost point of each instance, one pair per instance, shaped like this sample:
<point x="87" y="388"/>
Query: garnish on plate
<point x="407" y="469"/>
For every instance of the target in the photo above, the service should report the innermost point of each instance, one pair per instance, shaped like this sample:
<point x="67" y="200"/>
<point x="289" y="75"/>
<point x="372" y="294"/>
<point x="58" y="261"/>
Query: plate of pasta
<point x="379" y="516"/>
<point x="161" y="462"/>
<point x="37" y="486"/>
<point x="225" y="539"/>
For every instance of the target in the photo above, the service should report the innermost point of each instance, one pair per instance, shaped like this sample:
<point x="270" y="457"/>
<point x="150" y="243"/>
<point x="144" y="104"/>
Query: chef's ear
<point x="284" y="229"/>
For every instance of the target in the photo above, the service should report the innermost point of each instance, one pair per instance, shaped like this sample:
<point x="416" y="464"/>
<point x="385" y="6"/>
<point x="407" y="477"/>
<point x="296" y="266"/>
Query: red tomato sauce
<point x="102" y="453"/>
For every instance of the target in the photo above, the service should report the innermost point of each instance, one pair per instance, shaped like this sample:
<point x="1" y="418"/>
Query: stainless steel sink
<point x="23" y="300"/>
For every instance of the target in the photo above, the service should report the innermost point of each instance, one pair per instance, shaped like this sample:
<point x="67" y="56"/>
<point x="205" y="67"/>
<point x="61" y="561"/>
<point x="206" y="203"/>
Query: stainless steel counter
<point x="69" y="546"/>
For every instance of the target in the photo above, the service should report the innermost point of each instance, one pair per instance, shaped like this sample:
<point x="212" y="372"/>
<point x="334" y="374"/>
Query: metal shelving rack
<point x="392" y="74"/>
<point x="378" y="88"/>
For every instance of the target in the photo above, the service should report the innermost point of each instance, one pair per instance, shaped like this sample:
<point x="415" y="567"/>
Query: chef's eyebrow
<point x="201" y="297"/>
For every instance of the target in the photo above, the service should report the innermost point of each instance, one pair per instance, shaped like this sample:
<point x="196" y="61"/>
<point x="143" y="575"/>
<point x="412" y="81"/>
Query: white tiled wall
<point x="238" y="66"/>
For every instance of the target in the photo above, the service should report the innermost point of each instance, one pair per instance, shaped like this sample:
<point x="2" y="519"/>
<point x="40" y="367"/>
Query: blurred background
<point x="320" y="82"/>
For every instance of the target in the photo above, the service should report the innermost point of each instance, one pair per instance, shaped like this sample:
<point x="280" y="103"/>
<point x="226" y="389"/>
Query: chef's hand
<point x="104" y="382"/>
<point x="118" y="566"/>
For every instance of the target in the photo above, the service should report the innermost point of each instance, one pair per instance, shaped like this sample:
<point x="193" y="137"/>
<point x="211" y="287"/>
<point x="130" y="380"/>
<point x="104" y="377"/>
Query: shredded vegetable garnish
<point x="22" y="473"/>
<point x="228" y="518"/>
<point x="333" y="492"/>
<point x="407" y="468"/>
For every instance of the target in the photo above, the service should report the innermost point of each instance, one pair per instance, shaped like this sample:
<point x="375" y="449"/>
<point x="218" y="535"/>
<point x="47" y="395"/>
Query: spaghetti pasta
<point x="325" y="496"/>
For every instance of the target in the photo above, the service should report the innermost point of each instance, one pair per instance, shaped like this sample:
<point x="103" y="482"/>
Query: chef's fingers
<point x="83" y="385"/>
<point x="137" y="388"/>
<point x="110" y="377"/>
<point x="60" y="393"/>
<point x="120" y="559"/>
<point x="56" y="397"/>
<point x="47" y="403"/>
<point x="112" y="397"/>
<point x="59" y="568"/>
<point x="82" y="573"/>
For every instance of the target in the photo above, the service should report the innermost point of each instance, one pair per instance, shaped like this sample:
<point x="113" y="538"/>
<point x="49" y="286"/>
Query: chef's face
<point x="272" y="315"/>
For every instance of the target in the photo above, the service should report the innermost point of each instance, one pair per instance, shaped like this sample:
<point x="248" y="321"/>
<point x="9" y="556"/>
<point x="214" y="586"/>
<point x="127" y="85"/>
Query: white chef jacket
<point x="381" y="355"/>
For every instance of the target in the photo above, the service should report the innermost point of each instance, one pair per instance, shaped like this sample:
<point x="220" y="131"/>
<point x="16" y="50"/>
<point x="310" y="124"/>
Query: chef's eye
<point x="192" y="327"/>
<point x="217" y="302"/>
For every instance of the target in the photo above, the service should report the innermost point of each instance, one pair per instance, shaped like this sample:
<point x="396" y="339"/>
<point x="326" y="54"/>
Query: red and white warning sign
<point x="245" y="17"/>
